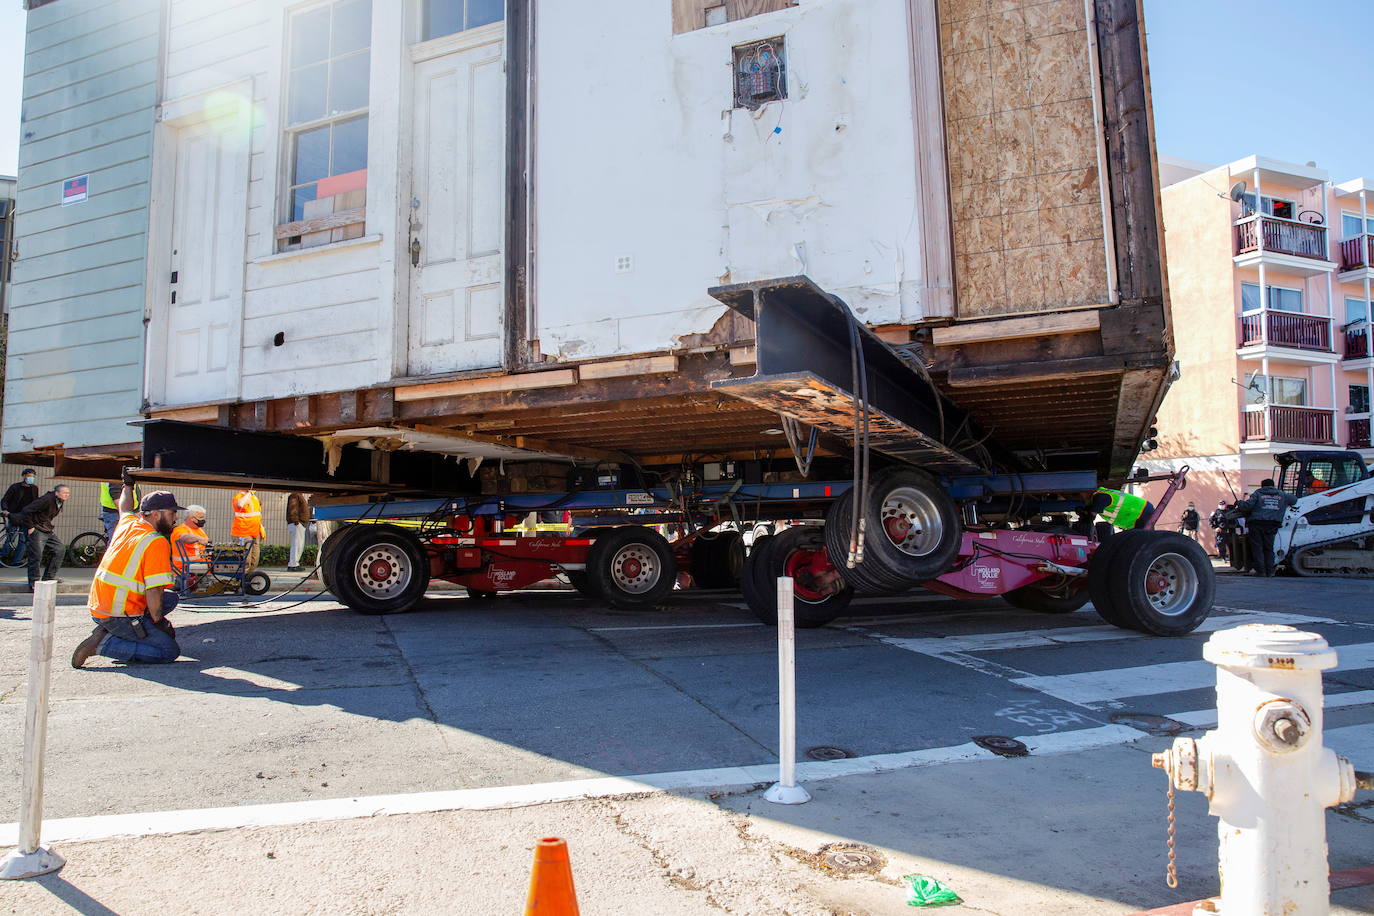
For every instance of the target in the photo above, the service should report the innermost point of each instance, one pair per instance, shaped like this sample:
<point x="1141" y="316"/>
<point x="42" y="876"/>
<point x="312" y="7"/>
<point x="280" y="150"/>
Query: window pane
<point x="1359" y="399"/>
<point x="350" y="146"/>
<point x="1281" y="208"/>
<point x="1350" y="226"/>
<point x="352" y="26"/>
<point x="1285" y="300"/>
<point x="307" y="95"/>
<point x="312" y="156"/>
<point x="348" y="83"/>
<point x="299" y="198"/>
<point x="481" y="12"/>
<point x="1249" y="297"/>
<point x="442" y="17"/>
<point x="309" y="37"/>
<point x="1291" y="392"/>
<point x="1254" y="392"/>
<point x="1354" y="310"/>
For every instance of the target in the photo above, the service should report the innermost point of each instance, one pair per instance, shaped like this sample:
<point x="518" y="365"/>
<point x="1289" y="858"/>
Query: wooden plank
<point x="1015" y="328"/>
<point x="322" y="223"/>
<point x="459" y="387"/>
<point x="208" y="414"/>
<point x="743" y="9"/>
<point x="1035" y="372"/>
<point x="525" y="442"/>
<point x="743" y="356"/>
<point x="520" y="193"/>
<point x="618" y="368"/>
<point x="689" y="15"/>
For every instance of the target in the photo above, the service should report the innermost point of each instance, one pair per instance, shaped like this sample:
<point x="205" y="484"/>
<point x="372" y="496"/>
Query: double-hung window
<point x="328" y="64"/>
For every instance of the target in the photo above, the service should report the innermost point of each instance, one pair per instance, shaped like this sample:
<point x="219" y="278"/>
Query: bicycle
<point x="86" y="549"/>
<point x="14" y="547"/>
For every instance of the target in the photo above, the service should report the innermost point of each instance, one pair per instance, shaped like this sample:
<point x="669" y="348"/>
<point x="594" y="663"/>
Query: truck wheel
<point x="328" y="552"/>
<point x="632" y="567"/>
<point x="1162" y="583"/>
<point x="867" y="577"/>
<point x="913" y="526"/>
<point x="718" y="560"/>
<point x="381" y="569"/>
<point x="800" y="553"/>
<point x="1100" y="577"/>
<point x="1037" y="597"/>
<point x="578" y="579"/>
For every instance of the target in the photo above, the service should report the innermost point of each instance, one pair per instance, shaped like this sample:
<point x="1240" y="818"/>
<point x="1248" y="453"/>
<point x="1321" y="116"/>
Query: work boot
<point x="88" y="647"/>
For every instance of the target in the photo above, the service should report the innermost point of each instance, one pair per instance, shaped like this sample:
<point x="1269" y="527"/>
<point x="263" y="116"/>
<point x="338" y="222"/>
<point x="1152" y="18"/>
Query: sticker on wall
<point x="74" y="190"/>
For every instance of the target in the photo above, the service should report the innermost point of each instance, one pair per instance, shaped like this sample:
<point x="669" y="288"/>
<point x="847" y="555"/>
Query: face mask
<point x="28" y="478"/>
<point x="195" y="522"/>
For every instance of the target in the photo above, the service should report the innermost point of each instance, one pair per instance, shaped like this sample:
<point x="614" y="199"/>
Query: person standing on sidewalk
<point x="297" y="519"/>
<point x="246" y="529"/>
<point x="131" y="593"/>
<point x="1191" y="523"/>
<point x="38" y="518"/>
<point x="1264" y="513"/>
<point x="20" y="493"/>
<point x="109" y="505"/>
<point x="1219" y="525"/>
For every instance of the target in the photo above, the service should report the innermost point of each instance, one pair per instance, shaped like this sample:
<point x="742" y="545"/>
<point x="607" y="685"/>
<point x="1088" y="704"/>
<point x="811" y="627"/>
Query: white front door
<point x="205" y="298"/>
<point x="458" y="212"/>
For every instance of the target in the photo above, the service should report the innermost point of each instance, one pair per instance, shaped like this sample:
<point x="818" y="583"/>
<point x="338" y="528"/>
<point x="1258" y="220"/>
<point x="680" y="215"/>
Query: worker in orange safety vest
<point x="246" y="529"/>
<point x="131" y="593"/>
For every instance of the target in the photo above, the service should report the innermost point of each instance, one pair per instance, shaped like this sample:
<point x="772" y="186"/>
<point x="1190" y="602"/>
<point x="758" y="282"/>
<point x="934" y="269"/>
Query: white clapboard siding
<point x="75" y="366"/>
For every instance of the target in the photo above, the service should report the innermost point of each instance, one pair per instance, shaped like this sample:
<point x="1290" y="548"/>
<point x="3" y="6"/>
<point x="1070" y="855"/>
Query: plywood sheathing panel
<point x="689" y="15"/>
<point x="1026" y="198"/>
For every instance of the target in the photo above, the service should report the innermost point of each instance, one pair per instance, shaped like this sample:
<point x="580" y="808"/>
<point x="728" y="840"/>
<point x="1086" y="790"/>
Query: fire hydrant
<point x="1265" y="771"/>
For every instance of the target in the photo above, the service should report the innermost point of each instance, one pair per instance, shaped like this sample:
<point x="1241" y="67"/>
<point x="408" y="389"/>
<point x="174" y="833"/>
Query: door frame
<point x="233" y="100"/>
<point x="517" y="350"/>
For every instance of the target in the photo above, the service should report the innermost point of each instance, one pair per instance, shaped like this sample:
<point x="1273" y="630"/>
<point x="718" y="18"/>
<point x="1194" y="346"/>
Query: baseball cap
<point x="159" y="499"/>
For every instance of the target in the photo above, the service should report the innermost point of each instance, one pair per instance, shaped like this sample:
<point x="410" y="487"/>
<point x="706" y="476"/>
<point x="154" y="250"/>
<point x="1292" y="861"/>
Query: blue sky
<point x="1283" y="78"/>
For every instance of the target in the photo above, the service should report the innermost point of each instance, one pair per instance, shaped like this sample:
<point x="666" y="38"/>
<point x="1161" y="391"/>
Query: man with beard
<point x="130" y="595"/>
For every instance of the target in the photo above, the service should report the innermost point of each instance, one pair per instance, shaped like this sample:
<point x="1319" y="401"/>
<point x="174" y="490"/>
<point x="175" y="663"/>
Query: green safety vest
<point x="110" y="500"/>
<point x="1125" y="509"/>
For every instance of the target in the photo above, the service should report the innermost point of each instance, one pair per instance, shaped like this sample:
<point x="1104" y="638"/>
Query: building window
<point x="1352" y="225"/>
<point x="1273" y="206"/>
<point x="1281" y="299"/>
<point x="1354" y="311"/>
<point x="1290" y="392"/>
<point x="445" y="17"/>
<point x="760" y="73"/>
<point x="1359" y="399"/>
<point x="329" y="62"/>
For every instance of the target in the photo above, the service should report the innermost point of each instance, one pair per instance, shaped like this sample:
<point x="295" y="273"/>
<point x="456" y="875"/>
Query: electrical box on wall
<point x="760" y="72"/>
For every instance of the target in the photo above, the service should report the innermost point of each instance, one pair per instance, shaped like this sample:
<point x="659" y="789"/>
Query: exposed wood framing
<point x="1035" y="373"/>
<point x="519" y="182"/>
<point x="619" y="368"/>
<point x="468" y="386"/>
<point x="526" y="442"/>
<point x="322" y="223"/>
<point x="689" y="15"/>
<point x="1014" y="328"/>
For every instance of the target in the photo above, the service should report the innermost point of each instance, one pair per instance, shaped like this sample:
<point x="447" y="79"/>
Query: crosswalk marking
<point x="1092" y="687"/>
<point x="1207" y="718"/>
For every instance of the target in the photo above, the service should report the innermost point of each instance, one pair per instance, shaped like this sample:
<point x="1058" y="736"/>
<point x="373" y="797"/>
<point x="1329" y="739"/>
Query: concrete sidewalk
<point x="77" y="581"/>
<point x="1079" y="833"/>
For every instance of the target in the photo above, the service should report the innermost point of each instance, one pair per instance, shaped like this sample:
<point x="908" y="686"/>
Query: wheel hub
<point x="383" y="570"/>
<point x="635" y="569"/>
<point x="814" y="577"/>
<point x="911" y="520"/>
<point x="379" y="570"/>
<point x="1171" y="585"/>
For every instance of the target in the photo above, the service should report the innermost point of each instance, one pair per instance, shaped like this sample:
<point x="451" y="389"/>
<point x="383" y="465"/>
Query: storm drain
<point x="828" y="752"/>
<point x="851" y="859"/>
<point x="1001" y="745"/>
<point x="1151" y="724"/>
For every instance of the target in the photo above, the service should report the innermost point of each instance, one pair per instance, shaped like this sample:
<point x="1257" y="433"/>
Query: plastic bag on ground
<point x="926" y="891"/>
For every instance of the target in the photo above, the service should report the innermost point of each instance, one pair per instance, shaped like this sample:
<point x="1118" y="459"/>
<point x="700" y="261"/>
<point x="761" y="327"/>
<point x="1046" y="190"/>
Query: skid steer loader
<point x="1330" y="532"/>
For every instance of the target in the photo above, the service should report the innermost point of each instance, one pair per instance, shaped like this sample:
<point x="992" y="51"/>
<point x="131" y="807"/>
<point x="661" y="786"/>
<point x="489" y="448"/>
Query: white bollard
<point x="786" y="791"/>
<point x="1265" y="772"/>
<point x="30" y="859"/>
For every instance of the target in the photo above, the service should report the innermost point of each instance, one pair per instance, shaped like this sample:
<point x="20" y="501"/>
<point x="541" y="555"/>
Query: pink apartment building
<point x="1271" y="307"/>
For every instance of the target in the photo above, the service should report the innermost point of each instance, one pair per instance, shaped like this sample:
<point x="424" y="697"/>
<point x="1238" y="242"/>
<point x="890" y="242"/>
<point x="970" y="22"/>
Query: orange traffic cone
<point x="551" y="881"/>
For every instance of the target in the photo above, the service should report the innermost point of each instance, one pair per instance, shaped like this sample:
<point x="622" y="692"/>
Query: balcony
<point x="1286" y="329"/>
<point x="1356" y="341"/>
<point x="1287" y="244"/>
<point x="1306" y="425"/>
<point x="1357" y="433"/>
<point x="1357" y="253"/>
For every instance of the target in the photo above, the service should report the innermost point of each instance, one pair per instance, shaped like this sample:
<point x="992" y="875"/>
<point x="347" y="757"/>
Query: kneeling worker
<point x="130" y="594"/>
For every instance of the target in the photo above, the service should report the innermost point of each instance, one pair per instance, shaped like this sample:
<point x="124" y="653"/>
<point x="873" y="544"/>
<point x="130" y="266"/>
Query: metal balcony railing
<point x="1356" y="341"/>
<point x="1308" y="425"/>
<point x="1286" y="329"/>
<point x="1282" y="236"/>
<point x="1357" y="252"/>
<point x="1357" y="433"/>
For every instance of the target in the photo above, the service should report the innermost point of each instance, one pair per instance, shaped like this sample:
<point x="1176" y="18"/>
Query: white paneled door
<point x="205" y="291"/>
<point x="457" y="214"/>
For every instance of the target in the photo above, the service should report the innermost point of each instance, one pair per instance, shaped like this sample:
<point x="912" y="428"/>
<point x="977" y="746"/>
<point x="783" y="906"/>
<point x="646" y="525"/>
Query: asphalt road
<point x="317" y="702"/>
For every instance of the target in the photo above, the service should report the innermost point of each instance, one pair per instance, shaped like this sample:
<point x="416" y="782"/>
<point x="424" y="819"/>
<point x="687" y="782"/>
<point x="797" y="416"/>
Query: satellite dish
<point x="1237" y="191"/>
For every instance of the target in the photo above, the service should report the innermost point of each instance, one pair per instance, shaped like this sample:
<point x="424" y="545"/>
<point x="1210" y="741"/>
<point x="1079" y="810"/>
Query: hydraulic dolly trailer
<point x="919" y="530"/>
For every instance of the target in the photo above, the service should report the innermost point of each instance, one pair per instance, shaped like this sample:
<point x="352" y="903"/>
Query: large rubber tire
<point x="784" y="555"/>
<point x="86" y="549"/>
<point x="718" y="560"/>
<point x="1163" y="584"/>
<point x="578" y="579"/>
<point x="631" y="567"/>
<point x="328" y="551"/>
<point x="257" y="583"/>
<point x="1100" y="577"/>
<point x="913" y="526"/>
<point x="380" y="569"/>
<point x="866" y="578"/>
<point x="1034" y="597"/>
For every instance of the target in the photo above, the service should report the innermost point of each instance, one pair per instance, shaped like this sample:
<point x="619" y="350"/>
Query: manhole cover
<point x="828" y="752"/>
<point x="852" y="859"/>
<point x="1001" y="745"/>
<point x="1160" y="726"/>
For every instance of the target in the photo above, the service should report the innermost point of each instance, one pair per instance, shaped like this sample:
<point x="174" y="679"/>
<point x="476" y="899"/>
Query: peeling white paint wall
<point x="640" y="156"/>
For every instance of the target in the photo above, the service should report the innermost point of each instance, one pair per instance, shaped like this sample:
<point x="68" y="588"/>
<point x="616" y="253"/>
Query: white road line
<point x="1058" y="636"/>
<point x="1089" y="687"/>
<point x="77" y="829"/>
<point x="685" y="626"/>
<point x="1207" y="718"/>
